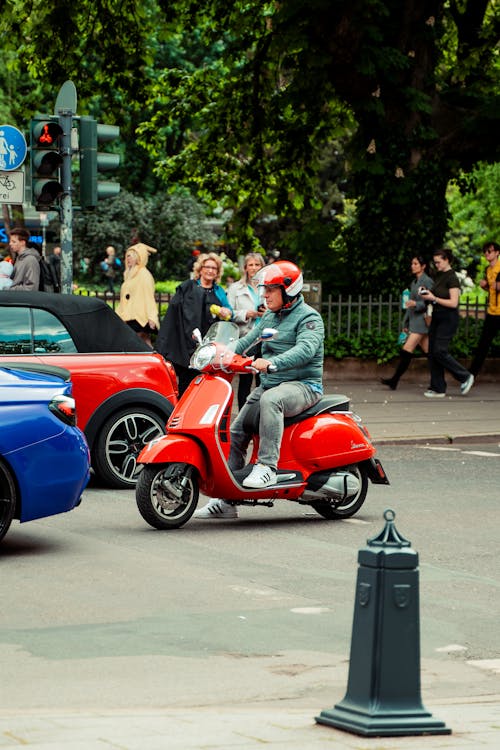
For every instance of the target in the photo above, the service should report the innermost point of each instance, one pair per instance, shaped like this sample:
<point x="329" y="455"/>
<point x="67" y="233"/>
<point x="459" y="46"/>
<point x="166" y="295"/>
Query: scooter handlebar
<point x="270" y="368"/>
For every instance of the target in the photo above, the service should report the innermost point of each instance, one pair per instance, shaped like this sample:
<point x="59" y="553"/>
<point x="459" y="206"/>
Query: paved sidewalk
<point x="474" y="724"/>
<point x="405" y="415"/>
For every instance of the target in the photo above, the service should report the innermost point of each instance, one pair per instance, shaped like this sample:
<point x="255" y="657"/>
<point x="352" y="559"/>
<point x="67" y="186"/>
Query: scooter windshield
<point x="216" y="349"/>
<point x="222" y="332"/>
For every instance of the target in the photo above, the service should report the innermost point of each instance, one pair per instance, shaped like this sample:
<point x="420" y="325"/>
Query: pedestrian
<point x="26" y="276"/>
<point x="84" y="266"/>
<point x="195" y="254"/>
<point x="414" y="321"/>
<point x="271" y="257"/>
<point x="6" y="271"/>
<point x="296" y="384"/>
<point x="445" y="298"/>
<point x="110" y="267"/>
<point x="137" y="305"/>
<point x="244" y="298"/>
<point x="189" y="308"/>
<point x="491" y="325"/>
<point x="55" y="268"/>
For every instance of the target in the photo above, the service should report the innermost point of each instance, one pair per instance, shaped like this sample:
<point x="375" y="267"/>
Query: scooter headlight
<point x="203" y="356"/>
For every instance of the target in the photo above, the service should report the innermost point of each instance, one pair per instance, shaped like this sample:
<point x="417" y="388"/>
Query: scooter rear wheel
<point x="167" y="494"/>
<point x="332" y="509"/>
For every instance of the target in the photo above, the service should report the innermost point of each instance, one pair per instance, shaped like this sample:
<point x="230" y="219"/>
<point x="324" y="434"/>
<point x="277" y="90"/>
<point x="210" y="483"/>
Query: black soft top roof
<point x="93" y="325"/>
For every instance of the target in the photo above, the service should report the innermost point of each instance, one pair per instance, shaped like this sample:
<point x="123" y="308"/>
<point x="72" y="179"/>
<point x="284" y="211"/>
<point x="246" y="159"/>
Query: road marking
<point x="490" y="664"/>
<point x="452" y="647"/>
<point x="309" y="610"/>
<point x="439" y="448"/>
<point x="488" y="454"/>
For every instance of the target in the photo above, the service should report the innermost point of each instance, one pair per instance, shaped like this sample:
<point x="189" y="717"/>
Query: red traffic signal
<point x="46" y="160"/>
<point x="46" y="134"/>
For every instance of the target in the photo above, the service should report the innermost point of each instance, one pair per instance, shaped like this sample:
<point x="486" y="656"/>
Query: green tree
<point x="172" y="223"/>
<point x="241" y="101"/>
<point x="414" y="82"/>
<point x="474" y="201"/>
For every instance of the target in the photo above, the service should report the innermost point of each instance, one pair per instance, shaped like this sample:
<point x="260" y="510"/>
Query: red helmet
<point x="282" y="273"/>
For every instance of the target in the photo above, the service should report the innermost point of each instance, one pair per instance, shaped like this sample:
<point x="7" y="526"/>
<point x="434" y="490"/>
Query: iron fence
<point x="353" y="315"/>
<point x="350" y="315"/>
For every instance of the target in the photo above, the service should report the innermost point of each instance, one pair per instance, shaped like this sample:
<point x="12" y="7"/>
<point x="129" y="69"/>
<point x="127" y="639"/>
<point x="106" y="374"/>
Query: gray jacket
<point x="298" y="349"/>
<point x="26" y="276"/>
<point x="414" y="319"/>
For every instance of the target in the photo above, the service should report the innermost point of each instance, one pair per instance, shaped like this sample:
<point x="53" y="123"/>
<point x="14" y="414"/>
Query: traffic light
<point x="46" y="160"/>
<point x="92" y="161"/>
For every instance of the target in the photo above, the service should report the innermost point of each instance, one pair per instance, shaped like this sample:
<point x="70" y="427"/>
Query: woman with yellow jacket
<point x="138" y="306"/>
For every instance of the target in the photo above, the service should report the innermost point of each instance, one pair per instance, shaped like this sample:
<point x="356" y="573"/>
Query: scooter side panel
<point x="174" y="449"/>
<point x="325" y="441"/>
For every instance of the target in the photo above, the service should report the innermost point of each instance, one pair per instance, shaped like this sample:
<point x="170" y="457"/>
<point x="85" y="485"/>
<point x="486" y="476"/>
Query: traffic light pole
<point x="66" y="123"/>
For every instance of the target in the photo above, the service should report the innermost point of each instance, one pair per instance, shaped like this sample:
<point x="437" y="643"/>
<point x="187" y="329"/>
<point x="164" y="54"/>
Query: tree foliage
<point x="280" y="111"/>
<point x="174" y="224"/>
<point x="411" y="87"/>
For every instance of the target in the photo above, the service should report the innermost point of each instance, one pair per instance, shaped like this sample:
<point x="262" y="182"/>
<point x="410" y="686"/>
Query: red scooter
<point x="326" y="457"/>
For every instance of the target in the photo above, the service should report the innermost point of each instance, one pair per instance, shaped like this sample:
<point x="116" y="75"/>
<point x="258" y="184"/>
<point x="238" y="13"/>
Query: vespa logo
<point x="355" y="446"/>
<point x="401" y="595"/>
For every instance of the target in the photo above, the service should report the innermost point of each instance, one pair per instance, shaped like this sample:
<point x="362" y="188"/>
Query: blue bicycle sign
<point x="13" y="148"/>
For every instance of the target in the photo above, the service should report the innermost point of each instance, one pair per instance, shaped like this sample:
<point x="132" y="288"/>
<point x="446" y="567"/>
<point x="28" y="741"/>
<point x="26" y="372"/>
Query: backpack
<point x="46" y="283"/>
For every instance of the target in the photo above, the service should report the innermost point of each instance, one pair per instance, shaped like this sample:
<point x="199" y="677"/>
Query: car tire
<point x="119" y="442"/>
<point x="8" y="498"/>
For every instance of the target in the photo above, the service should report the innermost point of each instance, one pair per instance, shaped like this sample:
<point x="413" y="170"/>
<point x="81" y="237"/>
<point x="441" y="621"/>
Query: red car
<point x="124" y="392"/>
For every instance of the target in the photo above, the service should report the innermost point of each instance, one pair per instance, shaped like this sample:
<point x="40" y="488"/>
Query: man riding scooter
<point x="291" y="373"/>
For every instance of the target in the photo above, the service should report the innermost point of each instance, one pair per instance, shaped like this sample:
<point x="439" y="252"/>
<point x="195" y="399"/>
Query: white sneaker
<point x="216" y="508"/>
<point x="261" y="476"/>
<point x="467" y="385"/>
<point x="434" y="394"/>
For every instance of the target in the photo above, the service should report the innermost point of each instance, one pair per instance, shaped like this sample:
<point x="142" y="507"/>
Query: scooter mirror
<point x="196" y="336"/>
<point x="268" y="333"/>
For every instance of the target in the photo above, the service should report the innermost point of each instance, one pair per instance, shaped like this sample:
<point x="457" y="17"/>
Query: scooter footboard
<point x="376" y="472"/>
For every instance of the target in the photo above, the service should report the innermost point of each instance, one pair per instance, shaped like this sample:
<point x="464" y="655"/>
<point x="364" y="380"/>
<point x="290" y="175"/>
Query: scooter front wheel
<point x="333" y="508"/>
<point x="167" y="494"/>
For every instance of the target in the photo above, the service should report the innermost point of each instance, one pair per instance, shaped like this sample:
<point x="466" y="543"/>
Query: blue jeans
<point x="284" y="400"/>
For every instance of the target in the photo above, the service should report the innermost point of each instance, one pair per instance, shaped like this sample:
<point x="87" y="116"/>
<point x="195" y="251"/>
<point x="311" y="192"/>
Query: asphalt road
<point x="99" y="610"/>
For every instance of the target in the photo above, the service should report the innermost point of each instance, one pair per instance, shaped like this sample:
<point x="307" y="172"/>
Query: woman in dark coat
<point x="189" y="308"/>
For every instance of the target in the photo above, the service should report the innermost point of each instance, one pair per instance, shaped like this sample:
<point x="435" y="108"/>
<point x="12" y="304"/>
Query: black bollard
<point x="383" y="690"/>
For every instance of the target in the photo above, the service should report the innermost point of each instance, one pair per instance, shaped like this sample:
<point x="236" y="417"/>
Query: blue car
<point x="44" y="457"/>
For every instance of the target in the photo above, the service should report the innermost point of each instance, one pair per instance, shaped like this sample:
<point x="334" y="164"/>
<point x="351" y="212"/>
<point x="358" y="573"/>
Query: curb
<point x="436" y="439"/>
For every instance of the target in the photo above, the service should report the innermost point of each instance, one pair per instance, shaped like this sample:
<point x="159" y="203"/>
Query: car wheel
<point x="119" y="442"/>
<point x="7" y="499"/>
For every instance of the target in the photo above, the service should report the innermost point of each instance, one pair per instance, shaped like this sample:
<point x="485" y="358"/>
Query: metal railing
<point x="349" y="315"/>
<point x="353" y="315"/>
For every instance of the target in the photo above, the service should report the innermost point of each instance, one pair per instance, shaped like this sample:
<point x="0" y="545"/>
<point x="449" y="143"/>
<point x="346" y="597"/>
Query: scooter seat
<point x="333" y="403"/>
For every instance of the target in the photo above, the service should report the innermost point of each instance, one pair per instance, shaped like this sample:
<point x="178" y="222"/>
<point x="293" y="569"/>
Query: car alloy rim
<point x="128" y="437"/>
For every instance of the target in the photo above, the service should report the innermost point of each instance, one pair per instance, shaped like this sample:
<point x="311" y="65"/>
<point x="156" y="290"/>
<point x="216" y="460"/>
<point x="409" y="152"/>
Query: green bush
<point x="383" y="347"/>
